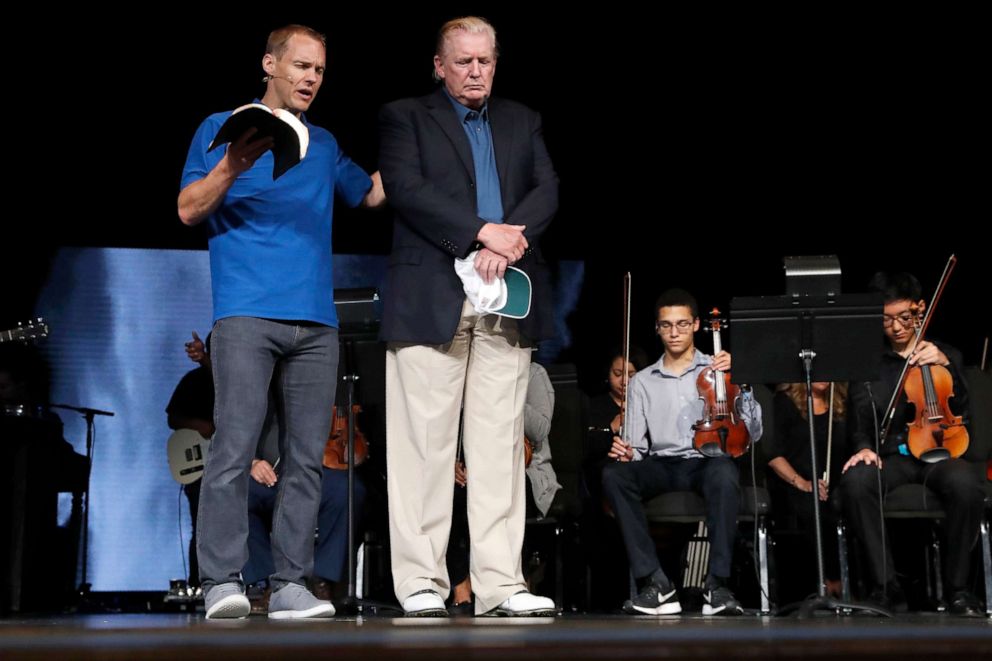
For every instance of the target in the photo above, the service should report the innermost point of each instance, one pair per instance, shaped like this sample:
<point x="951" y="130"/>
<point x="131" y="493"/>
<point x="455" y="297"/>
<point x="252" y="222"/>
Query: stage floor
<point x="162" y="636"/>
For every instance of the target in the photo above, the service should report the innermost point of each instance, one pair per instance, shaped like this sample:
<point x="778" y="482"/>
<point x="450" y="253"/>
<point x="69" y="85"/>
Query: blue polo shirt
<point x="270" y="241"/>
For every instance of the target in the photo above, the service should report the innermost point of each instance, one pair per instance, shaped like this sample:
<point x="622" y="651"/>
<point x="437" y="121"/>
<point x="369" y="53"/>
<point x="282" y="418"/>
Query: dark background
<point x="694" y="150"/>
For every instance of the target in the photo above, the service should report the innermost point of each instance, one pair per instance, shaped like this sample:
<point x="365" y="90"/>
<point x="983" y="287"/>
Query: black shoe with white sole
<point x="719" y="600"/>
<point x="658" y="597"/>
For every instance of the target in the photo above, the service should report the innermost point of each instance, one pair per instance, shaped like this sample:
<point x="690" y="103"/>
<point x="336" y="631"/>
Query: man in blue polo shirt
<point x="270" y="264"/>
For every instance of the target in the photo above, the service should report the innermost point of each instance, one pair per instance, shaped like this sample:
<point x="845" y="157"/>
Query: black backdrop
<point x="694" y="150"/>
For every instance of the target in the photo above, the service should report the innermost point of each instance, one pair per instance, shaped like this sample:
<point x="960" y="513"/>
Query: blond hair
<point x="797" y="393"/>
<point x="278" y="41"/>
<point x="470" y="24"/>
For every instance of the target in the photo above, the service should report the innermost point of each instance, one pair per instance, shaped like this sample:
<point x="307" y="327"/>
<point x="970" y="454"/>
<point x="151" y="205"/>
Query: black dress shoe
<point x="891" y="598"/>
<point x="462" y="609"/>
<point x="964" y="604"/>
<point x="322" y="589"/>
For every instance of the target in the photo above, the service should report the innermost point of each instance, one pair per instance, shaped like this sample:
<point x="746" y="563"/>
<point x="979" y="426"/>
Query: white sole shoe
<point x="233" y="606"/>
<point x="324" y="610"/>
<point x="525" y="604"/>
<point x="425" y="603"/>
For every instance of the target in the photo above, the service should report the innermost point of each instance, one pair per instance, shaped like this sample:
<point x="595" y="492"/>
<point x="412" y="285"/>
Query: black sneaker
<point x="719" y="600"/>
<point x="964" y="604"/>
<point x="658" y="597"/>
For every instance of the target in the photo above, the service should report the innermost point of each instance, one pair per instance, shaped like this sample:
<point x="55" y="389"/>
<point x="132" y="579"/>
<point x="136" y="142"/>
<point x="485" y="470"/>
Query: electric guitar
<point x="34" y="330"/>
<point x="187" y="452"/>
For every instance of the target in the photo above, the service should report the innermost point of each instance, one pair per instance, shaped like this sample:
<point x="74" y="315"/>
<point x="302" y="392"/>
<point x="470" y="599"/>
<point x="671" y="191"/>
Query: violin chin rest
<point x="711" y="450"/>
<point x="934" y="455"/>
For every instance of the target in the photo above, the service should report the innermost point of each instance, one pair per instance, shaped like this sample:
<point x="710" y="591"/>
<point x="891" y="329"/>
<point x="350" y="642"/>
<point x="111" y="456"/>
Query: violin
<point x="528" y="452"/>
<point x="336" y="449"/>
<point x="720" y="431"/>
<point x="935" y="433"/>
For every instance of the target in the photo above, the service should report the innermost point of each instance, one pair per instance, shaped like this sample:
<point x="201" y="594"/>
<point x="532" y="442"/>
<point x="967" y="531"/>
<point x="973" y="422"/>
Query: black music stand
<point x="777" y="339"/>
<point x="358" y="319"/>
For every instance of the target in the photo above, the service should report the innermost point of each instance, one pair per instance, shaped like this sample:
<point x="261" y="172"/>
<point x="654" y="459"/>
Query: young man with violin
<point x="956" y="482"/>
<point x="664" y="406"/>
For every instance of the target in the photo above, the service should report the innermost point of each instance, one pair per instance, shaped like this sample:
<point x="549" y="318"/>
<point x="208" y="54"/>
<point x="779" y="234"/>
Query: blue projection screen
<point x="118" y="319"/>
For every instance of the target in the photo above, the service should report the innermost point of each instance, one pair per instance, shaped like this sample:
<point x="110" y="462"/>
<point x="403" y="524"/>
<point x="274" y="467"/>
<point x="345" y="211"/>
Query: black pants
<point x="956" y="483"/>
<point x="792" y="506"/>
<point x="192" y="492"/>
<point x="628" y="485"/>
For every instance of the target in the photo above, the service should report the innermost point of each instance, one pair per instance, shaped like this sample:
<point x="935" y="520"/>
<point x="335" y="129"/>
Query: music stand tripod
<point x="777" y="339"/>
<point x="358" y="317"/>
<point x="89" y="415"/>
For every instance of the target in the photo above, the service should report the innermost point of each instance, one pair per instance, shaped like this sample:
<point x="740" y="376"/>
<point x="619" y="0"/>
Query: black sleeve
<point x="598" y="416"/>
<point x="193" y="396"/>
<point x="785" y="414"/>
<point x="961" y="400"/>
<point x="861" y="418"/>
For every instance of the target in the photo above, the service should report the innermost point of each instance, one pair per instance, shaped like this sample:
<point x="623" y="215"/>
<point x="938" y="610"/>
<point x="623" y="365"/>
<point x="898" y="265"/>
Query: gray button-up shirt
<point x="663" y="407"/>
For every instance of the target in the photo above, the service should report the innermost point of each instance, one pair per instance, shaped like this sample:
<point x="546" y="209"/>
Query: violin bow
<point x="626" y="356"/>
<point x="830" y="435"/>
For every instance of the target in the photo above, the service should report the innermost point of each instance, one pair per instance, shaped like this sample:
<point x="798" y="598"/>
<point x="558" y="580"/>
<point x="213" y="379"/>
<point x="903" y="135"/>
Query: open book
<point x="291" y="137"/>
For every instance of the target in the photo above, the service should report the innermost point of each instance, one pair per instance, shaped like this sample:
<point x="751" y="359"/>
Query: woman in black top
<point x="604" y="419"/>
<point x="602" y="542"/>
<point x="793" y="483"/>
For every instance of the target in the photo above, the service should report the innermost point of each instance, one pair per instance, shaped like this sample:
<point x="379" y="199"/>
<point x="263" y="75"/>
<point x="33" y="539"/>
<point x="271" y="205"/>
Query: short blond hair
<point x="470" y="24"/>
<point x="278" y="41"/>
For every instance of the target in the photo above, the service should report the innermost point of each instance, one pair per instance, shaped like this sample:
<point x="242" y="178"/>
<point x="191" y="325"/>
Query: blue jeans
<point x="245" y="352"/>
<point x="332" y="527"/>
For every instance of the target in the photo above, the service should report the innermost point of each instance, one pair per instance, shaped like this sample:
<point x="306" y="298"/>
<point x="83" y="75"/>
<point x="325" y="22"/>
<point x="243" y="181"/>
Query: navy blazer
<point x="428" y="173"/>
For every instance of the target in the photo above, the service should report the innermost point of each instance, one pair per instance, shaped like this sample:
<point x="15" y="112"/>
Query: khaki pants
<point x="424" y="390"/>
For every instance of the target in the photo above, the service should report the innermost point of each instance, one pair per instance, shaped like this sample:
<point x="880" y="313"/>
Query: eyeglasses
<point x="905" y="319"/>
<point x="682" y="325"/>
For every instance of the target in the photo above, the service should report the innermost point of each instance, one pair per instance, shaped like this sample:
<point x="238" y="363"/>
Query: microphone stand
<point x="89" y="414"/>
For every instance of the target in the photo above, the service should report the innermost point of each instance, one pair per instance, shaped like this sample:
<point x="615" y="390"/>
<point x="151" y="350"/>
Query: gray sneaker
<point x="226" y="601"/>
<point x="293" y="602"/>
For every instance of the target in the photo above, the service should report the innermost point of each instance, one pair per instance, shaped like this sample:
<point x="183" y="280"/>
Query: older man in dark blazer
<point x="467" y="175"/>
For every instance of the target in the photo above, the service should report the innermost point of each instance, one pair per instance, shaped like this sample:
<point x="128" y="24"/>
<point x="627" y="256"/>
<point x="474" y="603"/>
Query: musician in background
<point x="602" y="420"/>
<point x="37" y="558"/>
<point x="192" y="407"/>
<point x="664" y="405"/>
<point x="957" y="482"/>
<point x="793" y="482"/>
